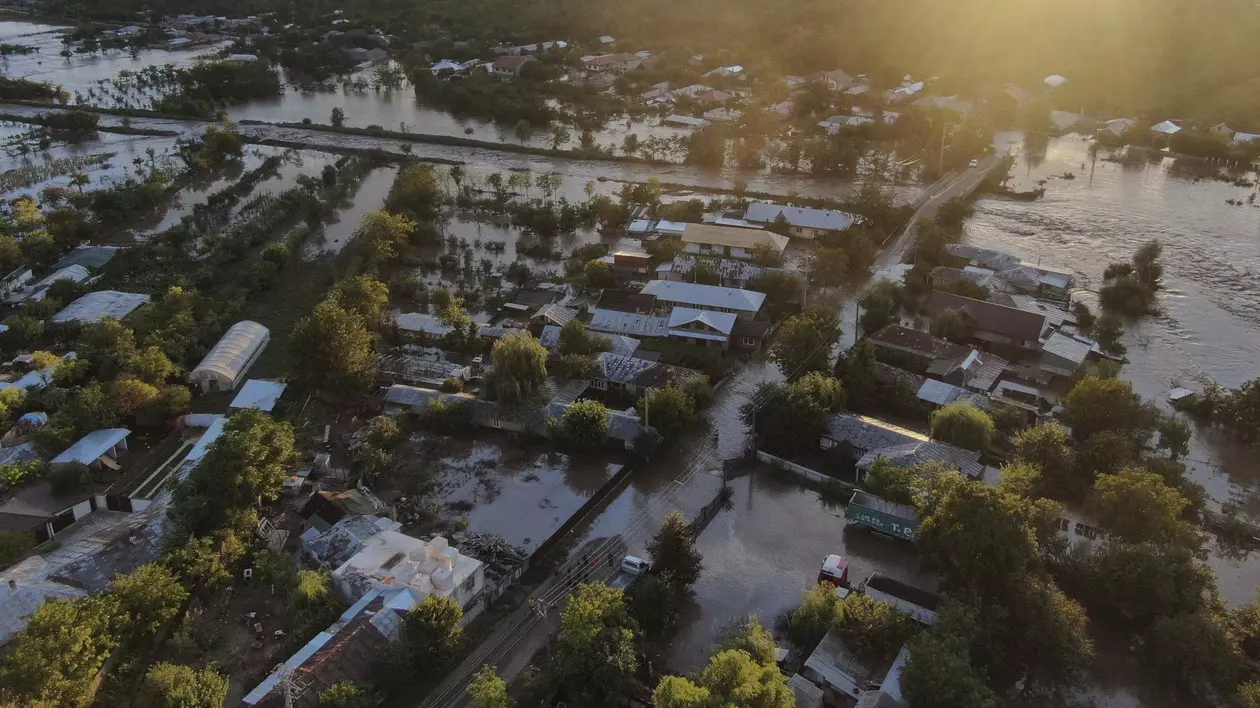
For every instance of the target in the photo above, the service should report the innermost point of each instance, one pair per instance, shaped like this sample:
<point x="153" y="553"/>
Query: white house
<point x="392" y="560"/>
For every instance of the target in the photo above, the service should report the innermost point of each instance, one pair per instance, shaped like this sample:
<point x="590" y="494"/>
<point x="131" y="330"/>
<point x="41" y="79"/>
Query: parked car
<point x="635" y="566"/>
<point x="975" y="163"/>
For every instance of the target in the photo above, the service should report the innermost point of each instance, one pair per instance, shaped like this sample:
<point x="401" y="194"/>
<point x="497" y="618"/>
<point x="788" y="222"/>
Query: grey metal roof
<point x="722" y="322"/>
<point x="870" y="434"/>
<point x="1011" y="322"/>
<point x="827" y="219"/>
<point x="88" y="256"/>
<point x="940" y="393"/>
<point x="98" y="305"/>
<point x="619" y="322"/>
<point x="1067" y="348"/>
<point x="622" y="426"/>
<point x="705" y="296"/>
<point x="912" y="454"/>
<point x="90" y="447"/>
<point x="556" y="314"/>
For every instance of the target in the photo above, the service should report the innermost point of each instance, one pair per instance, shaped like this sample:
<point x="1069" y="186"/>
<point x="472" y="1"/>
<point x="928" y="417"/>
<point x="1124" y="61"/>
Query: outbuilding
<point x="224" y="367"/>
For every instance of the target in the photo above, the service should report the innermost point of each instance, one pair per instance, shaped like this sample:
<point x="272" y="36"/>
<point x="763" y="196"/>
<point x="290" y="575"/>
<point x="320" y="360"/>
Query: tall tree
<point x="964" y="425"/>
<point x="416" y="192"/>
<point x="1136" y="506"/>
<point x="177" y="686"/>
<point x="585" y="424"/>
<point x="595" y="648"/>
<point x="383" y="235"/>
<point x="940" y="674"/>
<point x="432" y="631"/>
<point x="747" y="635"/>
<point x="520" y="367"/>
<point x="732" y="678"/>
<point x="1095" y="405"/>
<point x="55" y="658"/>
<point x="487" y="689"/>
<point x="1049" y="449"/>
<point x="333" y="349"/>
<point x="673" y="550"/>
<point x="805" y="342"/>
<point x="249" y="461"/>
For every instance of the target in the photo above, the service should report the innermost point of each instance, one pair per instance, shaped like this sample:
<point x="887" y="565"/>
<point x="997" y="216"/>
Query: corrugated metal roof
<point x="90" y="447"/>
<point x="98" y="305"/>
<point x="911" y="454"/>
<point x="827" y="219"/>
<point x="705" y="296"/>
<point x="723" y="322"/>
<point x="869" y="433"/>
<point x="733" y="237"/>
<point x="258" y="394"/>
<point x="619" y="322"/>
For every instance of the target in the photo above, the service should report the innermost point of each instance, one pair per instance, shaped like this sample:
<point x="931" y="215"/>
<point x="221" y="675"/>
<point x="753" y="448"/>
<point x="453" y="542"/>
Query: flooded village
<point x="351" y="368"/>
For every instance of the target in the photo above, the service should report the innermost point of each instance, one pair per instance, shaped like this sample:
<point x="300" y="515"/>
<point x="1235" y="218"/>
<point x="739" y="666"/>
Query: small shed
<point x="224" y="367"/>
<point x="96" y="449"/>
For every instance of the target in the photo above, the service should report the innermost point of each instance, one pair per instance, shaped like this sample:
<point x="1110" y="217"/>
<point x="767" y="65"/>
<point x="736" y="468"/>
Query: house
<point x="1166" y="127"/>
<point x="99" y="448"/>
<point x="607" y="41"/>
<point x="225" y="365"/>
<point x="783" y="109"/>
<point x="916" y="453"/>
<point x="36" y="292"/>
<point x="36" y="380"/>
<point x="1063" y="355"/>
<point x="685" y="121"/>
<point x="748" y="335"/>
<point x="835" y="124"/>
<point x="916" y="602"/>
<point x="15" y="281"/>
<point x="635" y="324"/>
<point x="907" y="90"/>
<point x="243" y="58"/>
<point x="1064" y="121"/>
<point x="918" y="351"/>
<point x="509" y="67"/>
<point x="731" y="273"/>
<point x="452" y="65"/>
<point x="668" y="294"/>
<point x="1054" y="81"/>
<point x="618" y="63"/>
<point x="96" y="306"/>
<point x="860" y="435"/>
<point x="1244" y="138"/>
<point x="807" y="694"/>
<point x="618" y="343"/>
<point x="722" y="115"/>
<point x="837" y="80"/>
<point x="391" y="560"/>
<point x="712" y="96"/>
<point x="990" y="322"/>
<point x="346" y="651"/>
<point x="634" y="377"/>
<point x="723" y="72"/>
<point x="88" y="256"/>
<point x="803" y="222"/>
<point x="701" y="327"/>
<point x="834" y="668"/>
<point x="731" y="242"/>
<point x="1117" y="127"/>
<point x="942" y="277"/>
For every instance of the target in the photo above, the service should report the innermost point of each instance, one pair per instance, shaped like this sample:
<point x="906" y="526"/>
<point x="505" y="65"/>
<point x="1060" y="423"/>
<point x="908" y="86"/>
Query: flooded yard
<point x="496" y="485"/>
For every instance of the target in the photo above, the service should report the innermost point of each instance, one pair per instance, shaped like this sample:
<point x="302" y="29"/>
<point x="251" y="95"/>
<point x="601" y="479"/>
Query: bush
<point x="451" y="386"/>
<point x="67" y="478"/>
<point x="585" y="424"/>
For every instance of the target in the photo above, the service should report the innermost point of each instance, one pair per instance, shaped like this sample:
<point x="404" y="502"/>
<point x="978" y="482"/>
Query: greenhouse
<point x="225" y="366"/>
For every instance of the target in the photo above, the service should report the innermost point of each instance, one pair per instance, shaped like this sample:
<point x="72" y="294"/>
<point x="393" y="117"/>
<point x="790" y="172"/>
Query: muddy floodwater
<point x="522" y="495"/>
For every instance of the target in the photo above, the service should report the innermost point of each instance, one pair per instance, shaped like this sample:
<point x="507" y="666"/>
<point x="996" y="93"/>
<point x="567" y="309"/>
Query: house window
<point x="599" y="384"/>
<point x="748" y="341"/>
<point x="468" y="584"/>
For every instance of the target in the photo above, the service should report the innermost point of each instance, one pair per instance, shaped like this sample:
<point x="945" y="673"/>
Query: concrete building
<point x="395" y="561"/>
